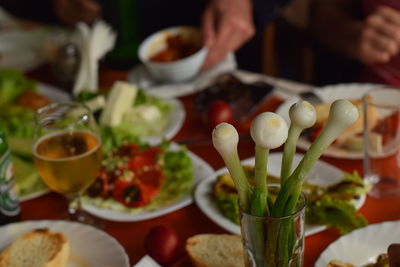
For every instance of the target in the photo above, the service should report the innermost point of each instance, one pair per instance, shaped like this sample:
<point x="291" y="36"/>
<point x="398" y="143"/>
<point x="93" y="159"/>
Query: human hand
<point x="380" y="36"/>
<point x="71" y="12"/>
<point x="226" y="25"/>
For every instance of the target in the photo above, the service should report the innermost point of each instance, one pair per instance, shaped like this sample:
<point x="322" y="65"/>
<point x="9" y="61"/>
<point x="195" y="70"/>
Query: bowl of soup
<point x="174" y="54"/>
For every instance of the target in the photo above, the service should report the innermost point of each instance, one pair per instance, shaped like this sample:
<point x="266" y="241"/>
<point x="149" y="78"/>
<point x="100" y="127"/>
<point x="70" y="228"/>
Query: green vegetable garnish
<point x="12" y="84"/>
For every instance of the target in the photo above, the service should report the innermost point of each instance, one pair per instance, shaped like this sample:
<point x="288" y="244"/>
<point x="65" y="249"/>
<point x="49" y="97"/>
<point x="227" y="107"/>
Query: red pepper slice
<point x="132" y="193"/>
<point x="146" y="158"/>
<point x="101" y="187"/>
<point x="127" y="150"/>
<point x="152" y="178"/>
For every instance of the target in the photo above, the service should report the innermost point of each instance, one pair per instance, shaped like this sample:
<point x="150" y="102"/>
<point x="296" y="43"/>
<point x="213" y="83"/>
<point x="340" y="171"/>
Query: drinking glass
<point x="67" y="152"/>
<point x="381" y="107"/>
<point x="274" y="242"/>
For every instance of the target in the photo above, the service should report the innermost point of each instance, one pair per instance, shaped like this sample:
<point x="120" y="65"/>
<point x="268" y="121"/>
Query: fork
<point x="308" y="95"/>
<point x="311" y="97"/>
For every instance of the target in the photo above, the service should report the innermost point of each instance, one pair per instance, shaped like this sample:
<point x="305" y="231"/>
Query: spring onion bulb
<point x="342" y="114"/>
<point x="268" y="131"/>
<point x="225" y="140"/>
<point x="302" y="116"/>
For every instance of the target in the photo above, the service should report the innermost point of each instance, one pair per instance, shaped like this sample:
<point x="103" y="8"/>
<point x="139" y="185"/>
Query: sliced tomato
<point x="146" y="158"/>
<point x="152" y="178"/>
<point x="127" y="150"/>
<point x="102" y="186"/>
<point x="132" y="193"/>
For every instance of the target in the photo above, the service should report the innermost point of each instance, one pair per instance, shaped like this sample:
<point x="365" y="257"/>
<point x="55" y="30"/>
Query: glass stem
<point x="74" y="206"/>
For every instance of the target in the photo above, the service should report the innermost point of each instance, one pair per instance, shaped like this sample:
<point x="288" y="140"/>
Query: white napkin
<point x="93" y="44"/>
<point x="146" y="261"/>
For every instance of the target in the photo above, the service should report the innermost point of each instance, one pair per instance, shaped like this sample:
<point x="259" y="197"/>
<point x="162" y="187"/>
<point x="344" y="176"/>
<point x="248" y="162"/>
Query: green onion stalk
<point x="341" y="115"/>
<point x="270" y="131"/>
<point x="225" y="140"/>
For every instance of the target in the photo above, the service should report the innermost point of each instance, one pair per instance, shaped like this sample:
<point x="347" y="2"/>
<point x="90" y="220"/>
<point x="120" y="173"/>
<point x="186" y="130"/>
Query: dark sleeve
<point x="36" y="10"/>
<point x="266" y="10"/>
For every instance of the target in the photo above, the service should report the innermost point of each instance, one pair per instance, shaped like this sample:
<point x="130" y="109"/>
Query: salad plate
<point x="365" y="244"/>
<point x="329" y="94"/>
<point x="322" y="174"/>
<point x="88" y="245"/>
<point x="174" y="123"/>
<point x="201" y="170"/>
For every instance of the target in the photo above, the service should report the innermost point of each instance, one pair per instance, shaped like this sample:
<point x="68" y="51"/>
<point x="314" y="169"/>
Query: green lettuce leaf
<point x="12" y="84"/>
<point x="334" y="213"/>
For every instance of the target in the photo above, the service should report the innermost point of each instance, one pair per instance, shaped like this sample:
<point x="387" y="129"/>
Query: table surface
<point x="190" y="220"/>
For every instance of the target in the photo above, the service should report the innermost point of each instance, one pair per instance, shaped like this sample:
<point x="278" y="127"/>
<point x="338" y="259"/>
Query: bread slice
<point x="38" y="248"/>
<point x="215" y="250"/>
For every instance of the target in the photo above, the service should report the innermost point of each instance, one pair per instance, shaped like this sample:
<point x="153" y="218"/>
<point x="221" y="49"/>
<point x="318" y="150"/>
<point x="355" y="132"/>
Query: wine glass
<point x="67" y="152"/>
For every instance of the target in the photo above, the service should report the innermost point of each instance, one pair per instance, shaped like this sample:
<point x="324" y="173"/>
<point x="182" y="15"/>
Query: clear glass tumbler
<point x="381" y="107"/>
<point x="274" y="242"/>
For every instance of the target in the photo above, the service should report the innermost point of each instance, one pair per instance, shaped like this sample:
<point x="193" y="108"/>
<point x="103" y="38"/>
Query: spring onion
<point x="268" y="131"/>
<point x="341" y="115"/>
<point x="302" y="116"/>
<point x="225" y="140"/>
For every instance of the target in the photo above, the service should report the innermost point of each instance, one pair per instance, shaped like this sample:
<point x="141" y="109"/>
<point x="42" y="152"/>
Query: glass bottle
<point x="9" y="204"/>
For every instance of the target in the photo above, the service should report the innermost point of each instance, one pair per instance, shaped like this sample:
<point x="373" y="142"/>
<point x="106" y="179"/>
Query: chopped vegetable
<point x="140" y="177"/>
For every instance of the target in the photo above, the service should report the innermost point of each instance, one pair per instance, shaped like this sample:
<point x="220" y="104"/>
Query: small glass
<point x="67" y="153"/>
<point x="274" y="242"/>
<point x="381" y="107"/>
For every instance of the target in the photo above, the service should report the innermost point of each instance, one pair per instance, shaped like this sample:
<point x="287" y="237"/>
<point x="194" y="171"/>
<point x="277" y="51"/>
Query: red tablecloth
<point x="190" y="220"/>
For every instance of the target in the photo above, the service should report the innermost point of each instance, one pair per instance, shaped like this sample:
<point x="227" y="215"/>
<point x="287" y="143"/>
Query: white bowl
<point x="174" y="71"/>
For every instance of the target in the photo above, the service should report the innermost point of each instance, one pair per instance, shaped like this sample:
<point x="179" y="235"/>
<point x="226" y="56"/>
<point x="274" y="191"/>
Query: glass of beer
<point x="67" y="152"/>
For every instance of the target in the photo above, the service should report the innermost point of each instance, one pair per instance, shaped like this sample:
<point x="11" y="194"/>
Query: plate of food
<point x="349" y="144"/>
<point x="139" y="183"/>
<point x="59" y="243"/>
<point x="146" y="118"/>
<point x="327" y="189"/>
<point x="368" y="245"/>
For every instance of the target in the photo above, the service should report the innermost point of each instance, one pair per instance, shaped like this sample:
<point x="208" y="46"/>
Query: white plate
<point x="321" y="174"/>
<point x="175" y="122"/>
<point x="139" y="75"/>
<point x="329" y="94"/>
<point x="201" y="171"/>
<point x="363" y="245"/>
<point x="22" y="50"/>
<point x="88" y="246"/>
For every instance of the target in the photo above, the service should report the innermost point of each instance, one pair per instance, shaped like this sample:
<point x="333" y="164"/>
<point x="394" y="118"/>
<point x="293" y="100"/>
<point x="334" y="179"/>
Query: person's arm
<point x="337" y="24"/>
<point x="226" y="26"/>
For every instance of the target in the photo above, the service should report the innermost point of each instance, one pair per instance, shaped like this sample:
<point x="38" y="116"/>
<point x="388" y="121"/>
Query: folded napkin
<point x="93" y="43"/>
<point x="146" y="261"/>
